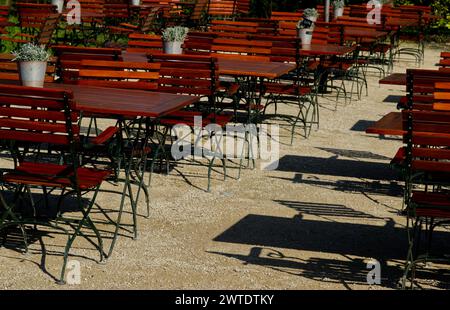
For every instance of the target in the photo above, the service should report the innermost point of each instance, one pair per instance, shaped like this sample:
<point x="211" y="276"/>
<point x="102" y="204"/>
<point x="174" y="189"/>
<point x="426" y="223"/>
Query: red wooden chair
<point x="196" y="76"/>
<point x="222" y="9"/>
<point x="127" y="75"/>
<point x="34" y="116"/>
<point x="69" y="58"/>
<point x="32" y="16"/>
<point x="427" y="177"/>
<point x="144" y="43"/>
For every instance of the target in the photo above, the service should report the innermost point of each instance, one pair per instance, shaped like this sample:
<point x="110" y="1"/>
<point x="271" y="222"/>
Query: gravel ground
<point x="315" y="222"/>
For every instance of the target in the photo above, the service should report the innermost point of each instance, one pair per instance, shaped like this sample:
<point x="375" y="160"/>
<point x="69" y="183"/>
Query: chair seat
<point x="431" y="204"/>
<point x="54" y="175"/>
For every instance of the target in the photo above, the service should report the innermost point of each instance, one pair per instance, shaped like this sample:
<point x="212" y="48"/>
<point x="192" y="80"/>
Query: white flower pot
<point x="305" y="36"/>
<point x="173" y="47"/>
<point x="136" y="2"/>
<point x="32" y="73"/>
<point x="59" y="5"/>
<point x="338" y="12"/>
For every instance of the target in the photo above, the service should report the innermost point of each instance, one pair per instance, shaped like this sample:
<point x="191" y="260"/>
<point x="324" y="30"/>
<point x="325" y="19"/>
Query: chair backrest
<point x="37" y="115"/>
<point x="428" y="141"/>
<point x="286" y="16"/>
<point x="118" y="74"/>
<point x="423" y="81"/>
<point x="187" y="74"/>
<point x="264" y="25"/>
<point x="48" y="29"/>
<point x="442" y="93"/>
<point x="9" y="70"/>
<point x="221" y="8"/>
<point x="198" y="43"/>
<point x="243" y="7"/>
<point x="69" y="59"/>
<point x="233" y="26"/>
<point x="199" y="10"/>
<point x="149" y="19"/>
<point x="116" y="11"/>
<point x="4" y="13"/>
<point x="32" y="15"/>
<point x="138" y="43"/>
<point x="241" y="49"/>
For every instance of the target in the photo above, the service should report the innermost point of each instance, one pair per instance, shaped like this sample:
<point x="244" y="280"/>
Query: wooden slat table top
<point x="325" y="50"/>
<point x="391" y="124"/>
<point x="394" y="79"/>
<point x="401" y="22"/>
<point x="269" y="70"/>
<point x="364" y="33"/>
<point x="234" y="67"/>
<point x="125" y="102"/>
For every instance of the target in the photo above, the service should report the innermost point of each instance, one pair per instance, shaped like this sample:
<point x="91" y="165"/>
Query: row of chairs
<point x="423" y="163"/>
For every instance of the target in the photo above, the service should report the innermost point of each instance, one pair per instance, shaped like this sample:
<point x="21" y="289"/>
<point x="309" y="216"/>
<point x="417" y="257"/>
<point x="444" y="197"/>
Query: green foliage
<point x="30" y="52"/>
<point x="442" y="8"/>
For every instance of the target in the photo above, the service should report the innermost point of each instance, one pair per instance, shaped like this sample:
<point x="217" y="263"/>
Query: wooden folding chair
<point x="69" y="58"/>
<point x="37" y="116"/>
<point x="196" y="76"/>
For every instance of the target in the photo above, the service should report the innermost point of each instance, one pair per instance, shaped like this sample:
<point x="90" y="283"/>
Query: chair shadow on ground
<point x="384" y="243"/>
<point x="12" y="239"/>
<point x="372" y="177"/>
<point x="324" y="209"/>
<point x="334" y="166"/>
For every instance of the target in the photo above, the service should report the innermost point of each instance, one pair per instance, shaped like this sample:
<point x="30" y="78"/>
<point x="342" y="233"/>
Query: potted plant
<point x="305" y="31"/>
<point x="173" y="38"/>
<point x="136" y="2"/>
<point x="32" y="64"/>
<point x="59" y="5"/>
<point x="310" y="14"/>
<point x="338" y="6"/>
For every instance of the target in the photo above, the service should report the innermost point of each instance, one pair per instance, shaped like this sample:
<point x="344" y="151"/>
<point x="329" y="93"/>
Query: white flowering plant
<point x="338" y="4"/>
<point x="30" y="52"/>
<point x="175" y="34"/>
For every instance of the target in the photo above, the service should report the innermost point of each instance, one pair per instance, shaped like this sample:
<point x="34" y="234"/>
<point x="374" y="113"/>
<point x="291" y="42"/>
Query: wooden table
<point x="354" y="33"/>
<point x="394" y="79"/>
<point x="391" y="124"/>
<point x="401" y="22"/>
<point x="125" y="102"/>
<point x="325" y="50"/>
<point x="268" y="70"/>
<point x="234" y="67"/>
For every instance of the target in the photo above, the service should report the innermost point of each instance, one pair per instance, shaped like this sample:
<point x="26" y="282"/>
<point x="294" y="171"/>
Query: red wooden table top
<point x="125" y="102"/>
<point x="399" y="22"/>
<point x="269" y="70"/>
<point x="391" y="124"/>
<point x="394" y="79"/>
<point x="364" y="33"/>
<point x="325" y="49"/>
<point x="235" y="67"/>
